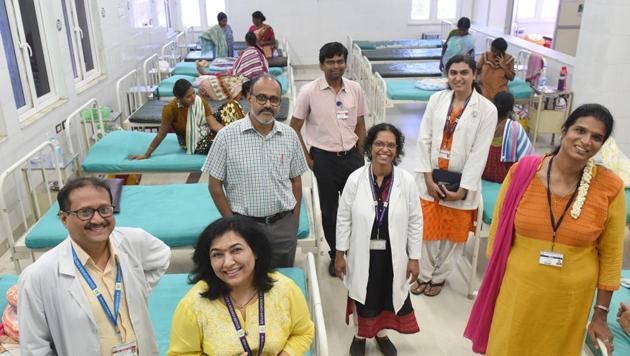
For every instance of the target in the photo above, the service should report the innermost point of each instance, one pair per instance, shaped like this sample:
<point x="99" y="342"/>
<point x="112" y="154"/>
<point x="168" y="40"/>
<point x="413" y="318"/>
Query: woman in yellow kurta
<point x="234" y="290"/>
<point x="549" y="283"/>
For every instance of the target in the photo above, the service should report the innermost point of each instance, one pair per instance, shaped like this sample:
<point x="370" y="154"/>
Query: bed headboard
<point x="81" y="134"/>
<point x="130" y="94"/>
<point x="26" y="193"/>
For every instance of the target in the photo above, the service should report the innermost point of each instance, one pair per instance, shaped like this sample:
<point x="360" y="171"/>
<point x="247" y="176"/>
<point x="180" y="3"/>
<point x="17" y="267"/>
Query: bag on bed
<point x="431" y="84"/>
<point x="220" y="88"/>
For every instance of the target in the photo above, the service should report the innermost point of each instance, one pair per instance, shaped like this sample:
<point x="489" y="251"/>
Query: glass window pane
<point x="34" y="39"/>
<point x="420" y="9"/>
<point x="549" y="10"/>
<point x="142" y="16"/>
<point x="446" y="9"/>
<point x="190" y="13"/>
<point x="9" y="52"/>
<point x="160" y="12"/>
<point x="526" y="9"/>
<point x="85" y="38"/>
<point x="66" y="19"/>
<point x="213" y="7"/>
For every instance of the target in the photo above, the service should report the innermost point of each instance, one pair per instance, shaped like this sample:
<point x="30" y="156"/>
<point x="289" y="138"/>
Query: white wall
<point x="123" y="48"/>
<point x="308" y="24"/>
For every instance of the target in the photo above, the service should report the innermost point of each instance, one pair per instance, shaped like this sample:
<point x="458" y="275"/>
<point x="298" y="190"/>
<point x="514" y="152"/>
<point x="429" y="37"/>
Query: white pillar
<point x="602" y="69"/>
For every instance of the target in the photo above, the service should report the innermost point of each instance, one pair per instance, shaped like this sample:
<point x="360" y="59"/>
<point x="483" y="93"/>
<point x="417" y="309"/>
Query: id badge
<point x="553" y="259"/>
<point x="444" y="154"/>
<point x="128" y="349"/>
<point x="378" y="245"/>
<point x="343" y="115"/>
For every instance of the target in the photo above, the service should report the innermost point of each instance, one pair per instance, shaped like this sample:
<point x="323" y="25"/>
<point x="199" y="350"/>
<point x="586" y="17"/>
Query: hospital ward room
<point x="314" y="177"/>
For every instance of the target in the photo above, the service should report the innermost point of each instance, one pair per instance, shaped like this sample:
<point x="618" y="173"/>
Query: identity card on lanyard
<point x="449" y="129"/>
<point x="379" y="244"/>
<point x="239" y="329"/>
<point x="342" y="114"/>
<point x="128" y="349"/>
<point x="551" y="258"/>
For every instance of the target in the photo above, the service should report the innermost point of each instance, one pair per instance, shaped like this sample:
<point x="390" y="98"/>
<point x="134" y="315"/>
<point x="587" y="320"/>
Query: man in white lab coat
<point x="88" y="295"/>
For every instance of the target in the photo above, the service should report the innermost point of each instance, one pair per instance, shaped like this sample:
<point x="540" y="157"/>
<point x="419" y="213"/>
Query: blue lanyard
<point x="239" y="328"/>
<point x="380" y="210"/>
<point x="113" y="318"/>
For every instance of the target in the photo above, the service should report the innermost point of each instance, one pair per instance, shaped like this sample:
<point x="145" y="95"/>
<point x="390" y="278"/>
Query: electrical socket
<point x="59" y="127"/>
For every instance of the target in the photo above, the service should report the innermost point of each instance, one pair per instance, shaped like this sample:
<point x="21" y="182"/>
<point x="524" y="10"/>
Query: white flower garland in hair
<point x="585" y="183"/>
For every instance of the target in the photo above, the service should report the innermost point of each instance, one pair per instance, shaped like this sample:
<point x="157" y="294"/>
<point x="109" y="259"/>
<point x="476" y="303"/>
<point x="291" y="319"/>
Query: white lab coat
<point x="53" y="308"/>
<point x="355" y="218"/>
<point x="471" y="143"/>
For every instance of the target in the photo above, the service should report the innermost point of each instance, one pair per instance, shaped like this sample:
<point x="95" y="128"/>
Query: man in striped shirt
<point x="251" y="62"/>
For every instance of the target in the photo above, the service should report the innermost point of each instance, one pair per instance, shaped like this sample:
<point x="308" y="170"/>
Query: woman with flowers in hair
<point x="556" y="239"/>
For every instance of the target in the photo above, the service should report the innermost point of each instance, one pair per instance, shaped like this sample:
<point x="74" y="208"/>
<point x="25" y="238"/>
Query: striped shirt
<point x="250" y="63"/>
<point x="256" y="170"/>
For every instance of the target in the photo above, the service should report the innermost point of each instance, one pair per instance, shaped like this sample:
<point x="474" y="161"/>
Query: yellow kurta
<point x="543" y="310"/>
<point x="203" y="327"/>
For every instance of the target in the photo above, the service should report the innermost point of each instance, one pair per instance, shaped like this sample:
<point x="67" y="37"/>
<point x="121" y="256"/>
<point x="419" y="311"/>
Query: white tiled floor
<point x="442" y="319"/>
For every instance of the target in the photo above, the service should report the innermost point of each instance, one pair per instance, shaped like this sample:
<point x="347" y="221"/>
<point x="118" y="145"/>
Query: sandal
<point x="420" y="288"/>
<point x="434" y="289"/>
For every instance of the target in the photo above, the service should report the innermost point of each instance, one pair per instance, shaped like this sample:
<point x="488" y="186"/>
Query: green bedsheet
<point x="621" y="340"/>
<point x="109" y="155"/>
<point x="489" y="192"/>
<point x="165" y="88"/>
<point x="171" y="289"/>
<point x="405" y="89"/>
<point x="174" y="213"/>
<point x="411" y="43"/>
<point x="190" y="69"/>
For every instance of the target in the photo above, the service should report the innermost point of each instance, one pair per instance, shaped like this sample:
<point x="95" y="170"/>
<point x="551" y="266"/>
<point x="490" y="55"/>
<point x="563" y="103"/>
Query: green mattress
<point x="405" y="89"/>
<point x="109" y="155"/>
<point x="189" y="209"/>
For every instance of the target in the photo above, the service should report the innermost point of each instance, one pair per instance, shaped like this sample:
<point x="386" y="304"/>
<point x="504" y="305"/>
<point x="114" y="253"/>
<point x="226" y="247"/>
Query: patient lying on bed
<point x="190" y="117"/>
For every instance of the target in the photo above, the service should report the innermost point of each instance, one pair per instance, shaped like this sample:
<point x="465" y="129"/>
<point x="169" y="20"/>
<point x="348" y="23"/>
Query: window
<point x="212" y="10"/>
<point x="163" y="14"/>
<point x="27" y="54"/>
<point x="190" y="13"/>
<point x="81" y="39"/>
<point x="536" y="10"/>
<point x="9" y="53"/>
<point x="433" y="10"/>
<point x="142" y="13"/>
<point x="200" y="13"/>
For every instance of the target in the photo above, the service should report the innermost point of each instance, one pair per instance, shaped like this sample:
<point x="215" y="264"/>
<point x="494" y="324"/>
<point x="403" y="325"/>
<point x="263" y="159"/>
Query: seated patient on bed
<point x="510" y="142"/>
<point x="73" y="300"/>
<point x="190" y="117"/>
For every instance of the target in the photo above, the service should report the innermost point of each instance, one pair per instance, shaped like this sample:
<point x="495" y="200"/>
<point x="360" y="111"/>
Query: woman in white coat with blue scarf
<point x="379" y="224"/>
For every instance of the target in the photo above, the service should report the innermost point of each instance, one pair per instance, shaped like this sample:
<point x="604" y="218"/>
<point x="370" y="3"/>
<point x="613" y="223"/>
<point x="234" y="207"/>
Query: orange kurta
<point x="443" y="222"/>
<point x="543" y="310"/>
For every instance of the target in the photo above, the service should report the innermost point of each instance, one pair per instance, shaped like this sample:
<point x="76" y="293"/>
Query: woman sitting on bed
<point x="510" y="142"/>
<point x="190" y="117"/>
<point x="264" y="33"/>
<point x="251" y="62"/>
<point x="459" y="41"/>
<point x="238" y="305"/>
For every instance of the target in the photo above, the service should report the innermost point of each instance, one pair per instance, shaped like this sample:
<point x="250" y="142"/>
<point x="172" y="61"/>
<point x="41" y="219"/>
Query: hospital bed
<point x="405" y="91"/>
<point x="407" y="70"/>
<point x="190" y="69"/>
<point x="279" y="59"/>
<point x="172" y="288"/>
<point x="170" y="53"/>
<point x="27" y="196"/>
<point x="403" y="54"/>
<point x="411" y="43"/>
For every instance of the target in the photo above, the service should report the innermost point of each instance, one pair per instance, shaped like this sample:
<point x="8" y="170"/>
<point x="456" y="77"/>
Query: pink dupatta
<point x="480" y="320"/>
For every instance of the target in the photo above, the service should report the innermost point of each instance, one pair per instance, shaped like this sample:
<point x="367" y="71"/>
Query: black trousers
<point x="332" y="171"/>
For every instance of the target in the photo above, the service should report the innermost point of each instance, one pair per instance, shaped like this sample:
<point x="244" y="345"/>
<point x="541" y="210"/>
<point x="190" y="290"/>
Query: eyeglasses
<point x="261" y="99"/>
<point x="86" y="214"/>
<point x="381" y="144"/>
